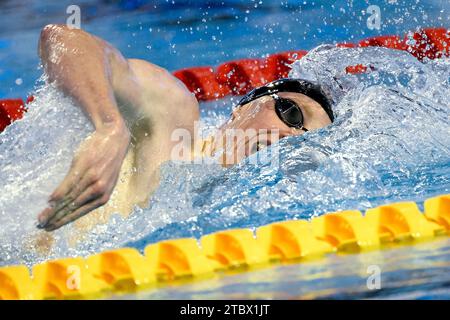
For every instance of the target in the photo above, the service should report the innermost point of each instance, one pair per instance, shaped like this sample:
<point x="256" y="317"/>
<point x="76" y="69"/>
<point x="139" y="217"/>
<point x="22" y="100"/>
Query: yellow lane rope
<point x="126" y="270"/>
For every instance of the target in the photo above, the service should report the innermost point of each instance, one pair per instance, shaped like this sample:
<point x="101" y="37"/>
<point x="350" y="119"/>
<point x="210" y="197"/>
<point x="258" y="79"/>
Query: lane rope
<point x="237" y="77"/>
<point x="126" y="270"/>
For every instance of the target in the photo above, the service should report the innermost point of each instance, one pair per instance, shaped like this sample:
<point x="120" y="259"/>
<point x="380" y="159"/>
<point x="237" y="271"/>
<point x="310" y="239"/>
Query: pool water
<point x="420" y="271"/>
<point x="178" y="34"/>
<point x="390" y="141"/>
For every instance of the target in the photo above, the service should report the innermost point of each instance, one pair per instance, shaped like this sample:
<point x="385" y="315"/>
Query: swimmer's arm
<point x="100" y="79"/>
<point x="87" y="69"/>
<point x="82" y="67"/>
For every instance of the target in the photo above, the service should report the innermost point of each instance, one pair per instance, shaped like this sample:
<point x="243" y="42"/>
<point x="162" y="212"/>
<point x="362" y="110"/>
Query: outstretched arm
<point x="100" y="80"/>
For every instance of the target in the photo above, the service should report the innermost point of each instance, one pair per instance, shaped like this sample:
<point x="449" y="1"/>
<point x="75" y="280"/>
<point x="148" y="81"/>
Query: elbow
<point x="51" y="30"/>
<point x="53" y="36"/>
<point x="51" y="33"/>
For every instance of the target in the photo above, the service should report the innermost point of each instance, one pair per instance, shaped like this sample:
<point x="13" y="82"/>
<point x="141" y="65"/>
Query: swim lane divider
<point x="126" y="270"/>
<point x="240" y="76"/>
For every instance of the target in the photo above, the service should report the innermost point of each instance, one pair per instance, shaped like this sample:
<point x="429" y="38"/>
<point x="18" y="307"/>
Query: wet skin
<point x="260" y="116"/>
<point x="134" y="107"/>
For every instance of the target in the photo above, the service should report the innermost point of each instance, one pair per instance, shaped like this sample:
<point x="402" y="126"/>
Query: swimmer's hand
<point x="91" y="178"/>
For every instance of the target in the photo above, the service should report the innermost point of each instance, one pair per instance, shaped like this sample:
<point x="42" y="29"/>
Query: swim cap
<point x="308" y="88"/>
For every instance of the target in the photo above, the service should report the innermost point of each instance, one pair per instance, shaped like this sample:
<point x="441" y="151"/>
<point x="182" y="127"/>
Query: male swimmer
<point x="135" y="106"/>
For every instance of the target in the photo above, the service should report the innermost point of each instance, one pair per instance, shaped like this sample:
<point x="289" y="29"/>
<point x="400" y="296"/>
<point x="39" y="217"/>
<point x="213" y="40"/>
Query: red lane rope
<point x="10" y="110"/>
<point x="240" y="76"/>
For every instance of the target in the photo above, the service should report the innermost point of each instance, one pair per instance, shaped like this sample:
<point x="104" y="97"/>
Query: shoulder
<point x="161" y="77"/>
<point x="164" y="89"/>
<point x="160" y="80"/>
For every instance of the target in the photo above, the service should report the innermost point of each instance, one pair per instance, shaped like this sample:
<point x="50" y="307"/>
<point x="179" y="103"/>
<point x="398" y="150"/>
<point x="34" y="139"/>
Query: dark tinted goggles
<point x="287" y="110"/>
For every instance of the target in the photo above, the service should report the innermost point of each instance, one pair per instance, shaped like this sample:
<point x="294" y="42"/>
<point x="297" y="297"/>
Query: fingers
<point x="83" y="210"/>
<point x="57" y="213"/>
<point x="65" y="195"/>
<point x="48" y="213"/>
<point x="94" y="192"/>
<point x="89" y="183"/>
<point x="71" y="179"/>
<point x="92" y="177"/>
<point x="44" y="216"/>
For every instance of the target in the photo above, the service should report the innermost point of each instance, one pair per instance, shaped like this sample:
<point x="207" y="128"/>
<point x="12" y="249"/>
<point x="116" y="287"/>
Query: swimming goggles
<point x="286" y="109"/>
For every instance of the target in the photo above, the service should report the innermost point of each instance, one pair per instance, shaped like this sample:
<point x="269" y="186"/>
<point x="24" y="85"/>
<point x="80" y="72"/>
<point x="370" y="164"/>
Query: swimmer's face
<point x="258" y="125"/>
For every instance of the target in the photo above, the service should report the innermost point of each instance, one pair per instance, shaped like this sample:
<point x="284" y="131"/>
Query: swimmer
<point x="134" y="107"/>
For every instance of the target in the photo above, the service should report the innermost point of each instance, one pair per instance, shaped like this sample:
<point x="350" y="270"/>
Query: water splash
<point x="390" y="142"/>
<point x="35" y="154"/>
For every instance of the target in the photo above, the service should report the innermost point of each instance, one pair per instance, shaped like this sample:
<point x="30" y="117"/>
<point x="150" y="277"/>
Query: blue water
<point x="390" y="141"/>
<point x="177" y="34"/>
<point x="421" y="272"/>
